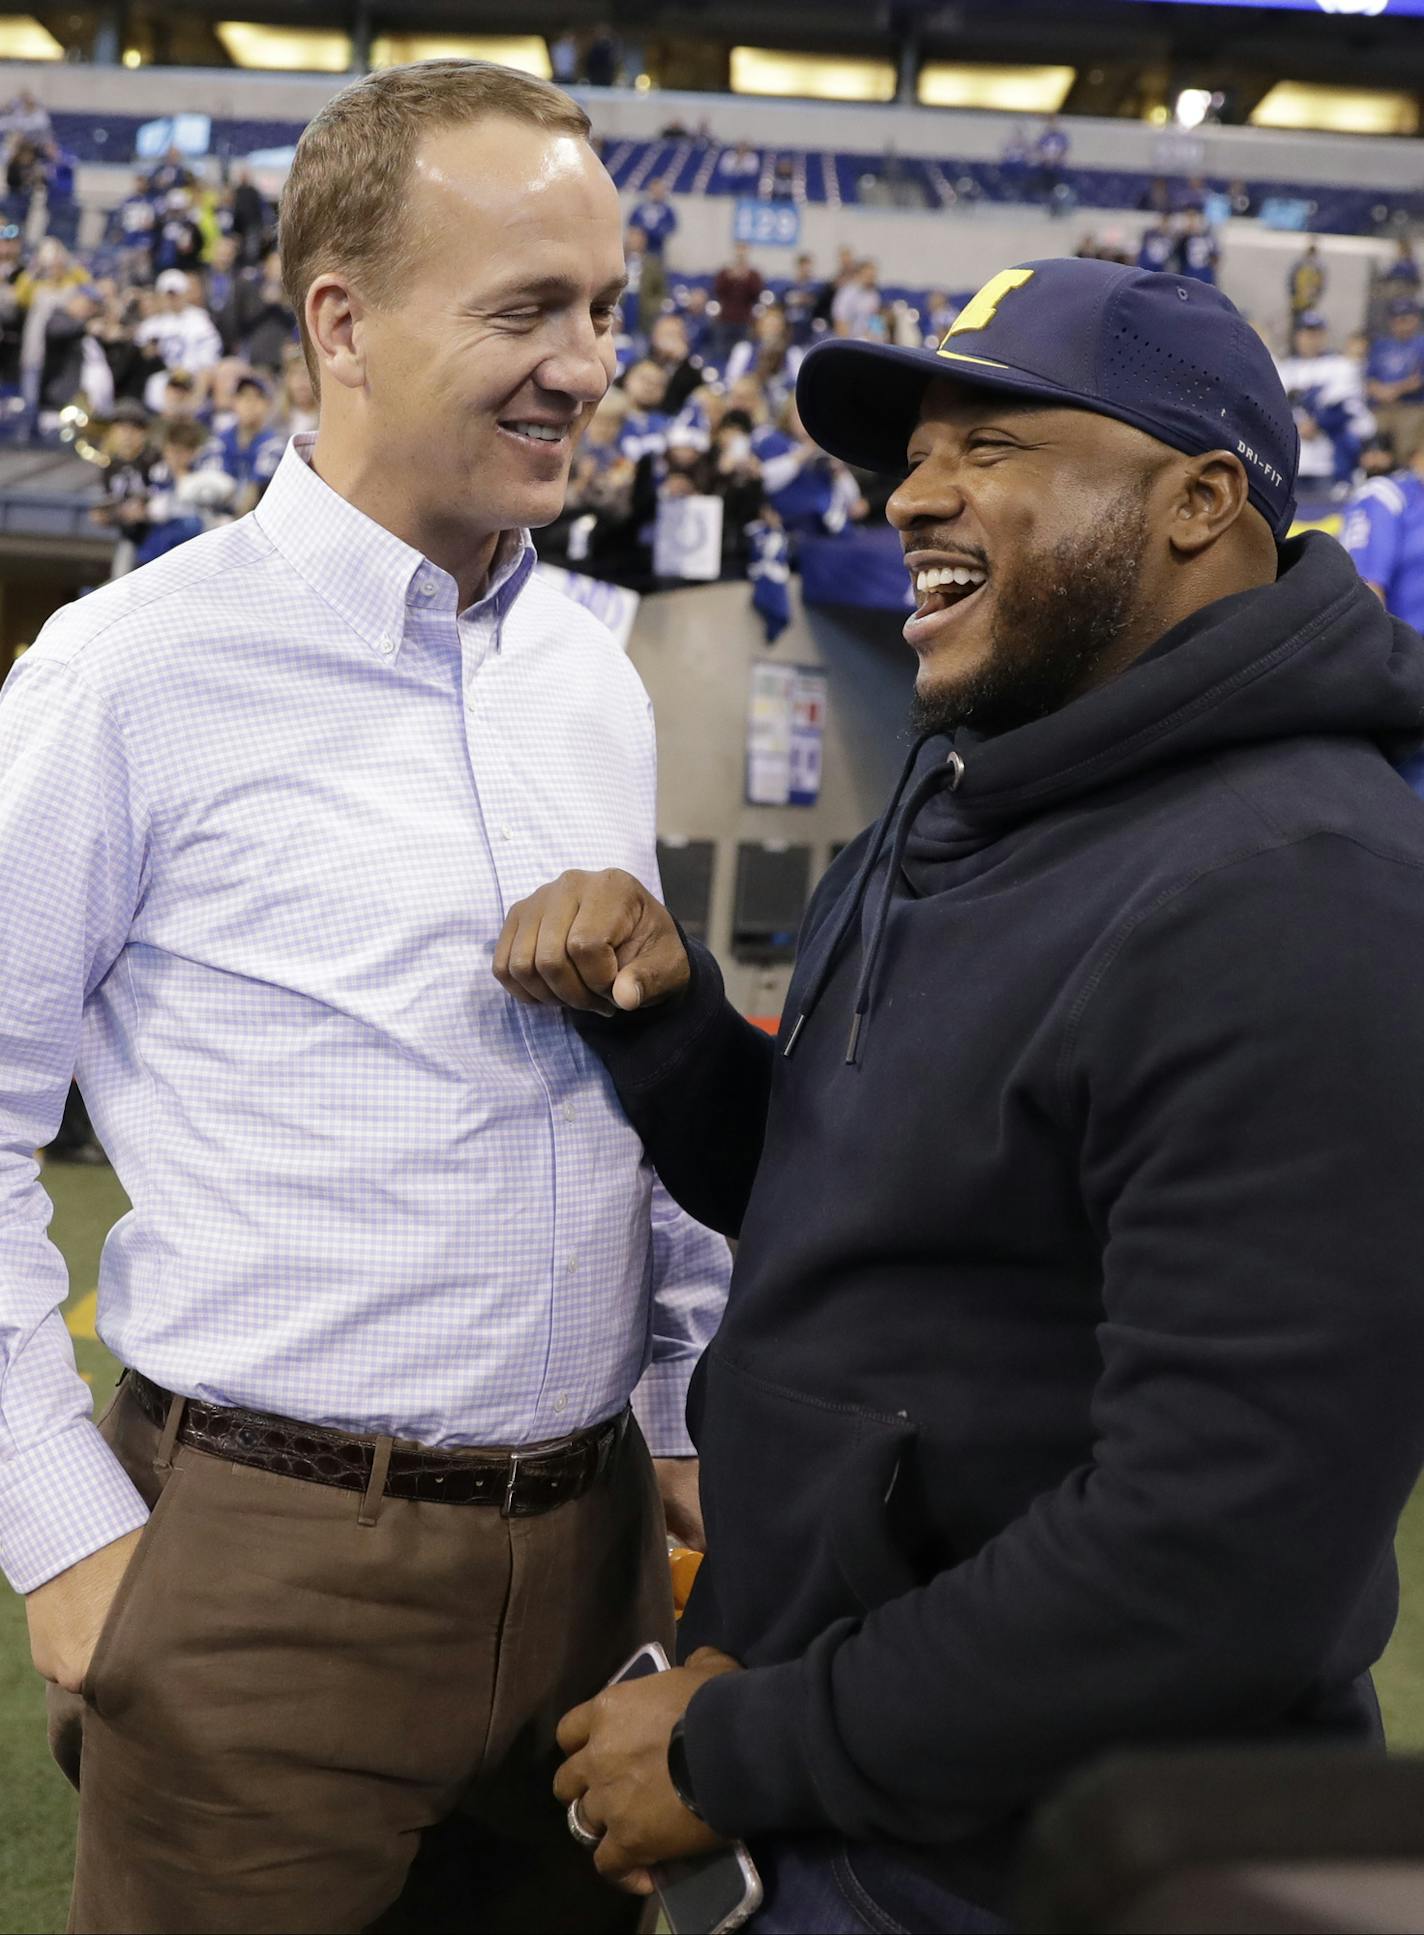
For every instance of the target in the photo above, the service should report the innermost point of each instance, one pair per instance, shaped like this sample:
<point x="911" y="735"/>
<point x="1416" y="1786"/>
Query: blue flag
<point x="770" y="573"/>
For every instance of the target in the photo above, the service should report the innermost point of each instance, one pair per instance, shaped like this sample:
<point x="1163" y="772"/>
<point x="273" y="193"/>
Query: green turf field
<point x="37" y="1808"/>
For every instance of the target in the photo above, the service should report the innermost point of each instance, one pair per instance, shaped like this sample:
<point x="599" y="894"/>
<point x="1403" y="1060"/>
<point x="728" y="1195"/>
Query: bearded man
<point x="1067" y="1392"/>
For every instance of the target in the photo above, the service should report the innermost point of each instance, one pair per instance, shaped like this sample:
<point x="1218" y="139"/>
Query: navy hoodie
<point x="1072" y="1376"/>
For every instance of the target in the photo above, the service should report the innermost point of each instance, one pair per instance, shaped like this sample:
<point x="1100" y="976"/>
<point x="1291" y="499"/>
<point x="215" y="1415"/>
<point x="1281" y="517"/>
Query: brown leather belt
<point x="521" y="1483"/>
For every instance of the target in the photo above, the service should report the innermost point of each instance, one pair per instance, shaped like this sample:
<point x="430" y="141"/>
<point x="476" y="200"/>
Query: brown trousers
<point x="296" y="1722"/>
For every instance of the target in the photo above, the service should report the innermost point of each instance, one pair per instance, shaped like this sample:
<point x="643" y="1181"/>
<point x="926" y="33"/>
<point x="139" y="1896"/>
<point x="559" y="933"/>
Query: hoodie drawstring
<point x="950" y="773"/>
<point x="935" y="781"/>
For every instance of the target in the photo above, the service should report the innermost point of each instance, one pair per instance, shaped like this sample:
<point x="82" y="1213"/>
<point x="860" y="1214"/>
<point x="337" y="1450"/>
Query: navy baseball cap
<point x="1165" y="353"/>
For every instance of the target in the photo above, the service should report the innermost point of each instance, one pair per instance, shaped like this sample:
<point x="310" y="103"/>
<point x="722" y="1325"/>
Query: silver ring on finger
<point x="579" y="1827"/>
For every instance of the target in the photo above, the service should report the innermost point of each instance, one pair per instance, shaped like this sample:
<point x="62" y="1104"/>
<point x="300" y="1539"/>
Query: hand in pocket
<point x="67" y="1613"/>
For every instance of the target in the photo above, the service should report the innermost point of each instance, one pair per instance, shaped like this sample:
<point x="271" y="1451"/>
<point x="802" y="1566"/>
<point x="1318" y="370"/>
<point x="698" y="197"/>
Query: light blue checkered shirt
<point x="263" y="808"/>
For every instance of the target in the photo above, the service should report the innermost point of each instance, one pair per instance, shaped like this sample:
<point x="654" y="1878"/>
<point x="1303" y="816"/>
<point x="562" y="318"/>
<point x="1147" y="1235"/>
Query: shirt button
<point x="506" y="833"/>
<point x="571" y="1265"/>
<point x="561" y="1402"/>
<point x="387" y="646"/>
<point x="427" y="590"/>
<point x="568" y="1111"/>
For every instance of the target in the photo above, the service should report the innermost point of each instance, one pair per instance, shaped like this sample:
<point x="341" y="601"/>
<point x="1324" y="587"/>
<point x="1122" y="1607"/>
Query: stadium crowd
<point x="170" y="356"/>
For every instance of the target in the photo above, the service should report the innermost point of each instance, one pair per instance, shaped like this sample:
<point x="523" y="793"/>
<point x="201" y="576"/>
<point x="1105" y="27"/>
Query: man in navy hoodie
<point x="1068" y="1391"/>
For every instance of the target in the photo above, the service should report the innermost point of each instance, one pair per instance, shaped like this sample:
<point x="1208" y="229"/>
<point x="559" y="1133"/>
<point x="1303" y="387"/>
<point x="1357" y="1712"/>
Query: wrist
<point x="679" y="1772"/>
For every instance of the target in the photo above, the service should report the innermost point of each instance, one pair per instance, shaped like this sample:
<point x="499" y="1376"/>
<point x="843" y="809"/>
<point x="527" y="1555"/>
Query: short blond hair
<point x="345" y="195"/>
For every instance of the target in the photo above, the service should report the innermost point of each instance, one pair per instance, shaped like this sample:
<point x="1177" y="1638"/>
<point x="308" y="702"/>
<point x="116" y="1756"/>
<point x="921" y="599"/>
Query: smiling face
<point x="457" y="403"/>
<point x="1026" y="534"/>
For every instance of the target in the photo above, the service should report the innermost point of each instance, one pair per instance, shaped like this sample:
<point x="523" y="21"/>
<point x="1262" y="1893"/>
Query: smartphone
<point x="713" y="1893"/>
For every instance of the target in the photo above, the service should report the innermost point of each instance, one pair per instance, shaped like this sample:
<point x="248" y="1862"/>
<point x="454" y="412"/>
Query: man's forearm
<point x="694" y="1079"/>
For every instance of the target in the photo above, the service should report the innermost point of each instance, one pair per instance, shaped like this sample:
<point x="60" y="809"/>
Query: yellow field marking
<point x="80" y="1320"/>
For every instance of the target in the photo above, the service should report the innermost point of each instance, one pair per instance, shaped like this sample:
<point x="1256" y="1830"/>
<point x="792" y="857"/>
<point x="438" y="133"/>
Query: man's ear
<point x="333" y="317"/>
<point x="1214" y="493"/>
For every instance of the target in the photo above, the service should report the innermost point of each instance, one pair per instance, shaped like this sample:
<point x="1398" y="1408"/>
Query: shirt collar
<point x="363" y="571"/>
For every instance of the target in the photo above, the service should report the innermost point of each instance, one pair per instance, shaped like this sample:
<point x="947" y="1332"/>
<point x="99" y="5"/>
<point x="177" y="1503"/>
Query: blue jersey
<point x="642" y="433"/>
<point x="1199" y="253"/>
<point x="804" y="494"/>
<point x="1156" y="250"/>
<point x="252" y="463"/>
<point x="1384" y="534"/>
<point x="137" y="218"/>
<point x="658" y="223"/>
<point x="1391" y="361"/>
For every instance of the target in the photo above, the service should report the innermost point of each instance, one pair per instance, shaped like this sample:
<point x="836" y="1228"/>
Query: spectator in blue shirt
<point x="799" y="300"/>
<point x="1197" y="252"/>
<point x="1050" y="152"/>
<point x="182" y="498"/>
<point x="179" y="243"/>
<point x="62" y="216"/>
<point x="250" y="450"/>
<point x="644" y="429"/>
<point x="1383" y="532"/>
<point x="809" y="491"/>
<point x="1157" y="249"/>
<point x="134" y="220"/>
<point x="172" y="172"/>
<point x="1402" y="275"/>
<point x="1327" y="401"/>
<point x="656" y="217"/>
<point x="936" y="315"/>
<point x="1394" y="378"/>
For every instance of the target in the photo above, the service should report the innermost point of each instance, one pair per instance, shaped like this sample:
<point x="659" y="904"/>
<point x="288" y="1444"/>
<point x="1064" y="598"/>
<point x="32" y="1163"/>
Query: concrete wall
<point x="694" y="651"/>
<point x="1263" y="152"/>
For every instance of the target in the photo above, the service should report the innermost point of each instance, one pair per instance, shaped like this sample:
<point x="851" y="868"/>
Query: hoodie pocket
<point x="806" y="1503"/>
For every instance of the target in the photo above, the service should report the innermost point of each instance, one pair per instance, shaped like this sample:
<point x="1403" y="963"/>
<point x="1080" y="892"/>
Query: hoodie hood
<point x="1314" y="653"/>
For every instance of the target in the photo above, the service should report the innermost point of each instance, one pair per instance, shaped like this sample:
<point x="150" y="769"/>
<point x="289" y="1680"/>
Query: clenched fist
<point x="598" y="942"/>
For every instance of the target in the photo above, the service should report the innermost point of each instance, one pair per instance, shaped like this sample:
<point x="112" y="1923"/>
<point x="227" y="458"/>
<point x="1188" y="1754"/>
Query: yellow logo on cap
<point x="980" y="310"/>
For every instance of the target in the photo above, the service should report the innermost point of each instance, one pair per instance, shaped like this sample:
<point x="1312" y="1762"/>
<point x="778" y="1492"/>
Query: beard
<point x="1057" y="616"/>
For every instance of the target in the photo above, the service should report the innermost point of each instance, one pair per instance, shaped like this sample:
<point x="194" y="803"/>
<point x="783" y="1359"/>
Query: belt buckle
<point x="506" y="1510"/>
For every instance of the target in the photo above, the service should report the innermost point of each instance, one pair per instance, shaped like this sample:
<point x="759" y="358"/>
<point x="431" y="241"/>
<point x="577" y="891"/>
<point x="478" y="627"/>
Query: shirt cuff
<point x="748" y="1759"/>
<point x="61" y="1500"/>
<point x="660" y="1406"/>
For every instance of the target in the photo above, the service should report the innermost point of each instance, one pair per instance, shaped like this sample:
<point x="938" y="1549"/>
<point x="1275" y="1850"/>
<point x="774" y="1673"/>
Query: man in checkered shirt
<point x="368" y="1511"/>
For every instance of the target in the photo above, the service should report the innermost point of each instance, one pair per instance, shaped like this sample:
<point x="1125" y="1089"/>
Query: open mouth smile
<point x="943" y="592"/>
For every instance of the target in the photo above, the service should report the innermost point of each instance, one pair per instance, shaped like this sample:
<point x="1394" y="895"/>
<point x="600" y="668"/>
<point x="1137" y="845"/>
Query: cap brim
<point x="860" y="401"/>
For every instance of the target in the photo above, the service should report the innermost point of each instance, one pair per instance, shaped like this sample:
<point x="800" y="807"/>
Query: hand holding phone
<point x="711" y="1894"/>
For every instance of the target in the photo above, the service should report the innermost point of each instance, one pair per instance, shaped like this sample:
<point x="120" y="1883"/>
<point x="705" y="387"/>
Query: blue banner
<point x="855" y="568"/>
<point x="774" y="225"/>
